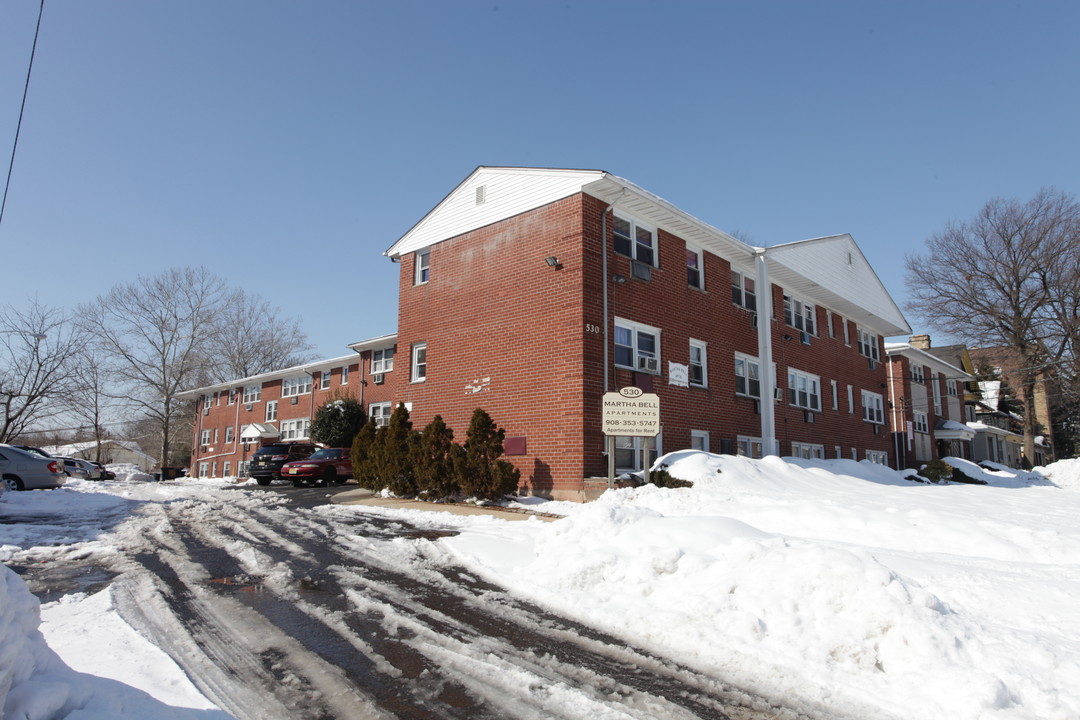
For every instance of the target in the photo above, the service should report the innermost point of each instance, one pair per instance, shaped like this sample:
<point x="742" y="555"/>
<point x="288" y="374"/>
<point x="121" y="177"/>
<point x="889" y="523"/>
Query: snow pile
<point x="129" y="472"/>
<point x="836" y="582"/>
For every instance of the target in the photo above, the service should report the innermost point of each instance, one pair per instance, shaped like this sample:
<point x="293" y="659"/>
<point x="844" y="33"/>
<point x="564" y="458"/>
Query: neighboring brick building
<point x="233" y="419"/>
<point x="531" y="292"/>
<point x="1009" y="366"/>
<point x="926" y="399"/>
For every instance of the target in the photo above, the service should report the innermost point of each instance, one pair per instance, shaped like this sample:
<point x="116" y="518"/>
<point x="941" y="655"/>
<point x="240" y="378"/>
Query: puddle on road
<point x="52" y="581"/>
<point x="429" y="534"/>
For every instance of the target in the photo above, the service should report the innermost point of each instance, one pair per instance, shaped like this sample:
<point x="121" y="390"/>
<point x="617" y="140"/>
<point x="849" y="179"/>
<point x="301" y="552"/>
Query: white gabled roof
<point x="830" y="271"/>
<point x="953" y="372"/>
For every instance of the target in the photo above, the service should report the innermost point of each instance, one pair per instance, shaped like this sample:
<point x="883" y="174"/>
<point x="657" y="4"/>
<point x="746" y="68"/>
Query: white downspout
<point x="764" y="328"/>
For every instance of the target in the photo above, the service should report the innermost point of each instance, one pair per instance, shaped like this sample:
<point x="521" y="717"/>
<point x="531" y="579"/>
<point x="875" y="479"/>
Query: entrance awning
<point x="952" y="430"/>
<point x="258" y="431"/>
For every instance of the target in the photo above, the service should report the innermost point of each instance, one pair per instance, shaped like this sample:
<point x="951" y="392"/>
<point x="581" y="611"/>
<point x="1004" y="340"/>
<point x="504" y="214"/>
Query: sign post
<point x="630" y="412"/>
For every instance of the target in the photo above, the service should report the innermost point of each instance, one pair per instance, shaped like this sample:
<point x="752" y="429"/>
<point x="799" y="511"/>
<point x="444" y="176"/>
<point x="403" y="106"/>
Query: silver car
<point x="22" y="470"/>
<point x="81" y="469"/>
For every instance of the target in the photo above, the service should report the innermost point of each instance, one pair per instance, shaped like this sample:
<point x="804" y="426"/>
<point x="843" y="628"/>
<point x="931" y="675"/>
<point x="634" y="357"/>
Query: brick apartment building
<point x="926" y="400"/>
<point x="233" y="419"/>
<point x="531" y="292"/>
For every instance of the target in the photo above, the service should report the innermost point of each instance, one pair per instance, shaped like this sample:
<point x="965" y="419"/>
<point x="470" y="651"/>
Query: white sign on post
<point x="631" y="412"/>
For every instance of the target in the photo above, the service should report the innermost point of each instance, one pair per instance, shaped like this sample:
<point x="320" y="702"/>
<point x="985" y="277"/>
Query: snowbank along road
<point x="278" y="607"/>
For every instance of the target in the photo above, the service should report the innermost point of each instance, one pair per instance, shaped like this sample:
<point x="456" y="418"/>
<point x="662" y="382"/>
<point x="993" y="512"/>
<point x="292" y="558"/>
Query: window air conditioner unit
<point x="648" y="364"/>
<point x="804" y="337"/>
<point x="248" y="407"/>
<point x="778" y="394"/>
<point x="753" y="320"/>
<point x="875" y="426"/>
<point x="757" y="407"/>
<point x="870" y="362"/>
<point x="808" y="416"/>
<point x="378" y="378"/>
<point x="293" y="400"/>
<point x="640" y="270"/>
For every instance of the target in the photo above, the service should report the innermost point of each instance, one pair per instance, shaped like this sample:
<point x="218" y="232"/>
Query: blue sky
<point x="286" y="145"/>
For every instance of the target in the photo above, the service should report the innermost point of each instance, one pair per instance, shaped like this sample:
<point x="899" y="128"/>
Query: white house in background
<point x="112" y="452"/>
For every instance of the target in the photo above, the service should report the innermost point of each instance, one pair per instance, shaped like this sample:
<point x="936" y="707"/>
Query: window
<point x="252" y="393"/>
<point x="229" y="434"/>
<point x="850" y="400"/>
<point x="422" y="264"/>
<point x="950" y="387"/>
<point x="835" y="395"/>
<point x="751" y="447"/>
<point x="699" y="440"/>
<point x="637" y="346"/>
<point x="207" y="402"/>
<point x="920" y="422"/>
<point x="868" y="345"/>
<point x="204" y="469"/>
<point x="936" y="387"/>
<point x="213" y="469"/>
<point x="630" y="452"/>
<point x="324" y="380"/>
<point x="799" y="314"/>
<point x="807" y="451"/>
<point x="271" y="410"/>
<point x="345" y="375"/>
<point x="298" y="385"/>
<point x="204" y="439"/>
<point x="295" y="429"/>
<point x="742" y="290"/>
<point x="695" y="276"/>
<point x="225" y="468"/>
<point x="873" y="407"/>
<point x="242" y="468"/>
<point x="232" y="396"/>
<point x="747" y="376"/>
<point x="215" y="436"/>
<point x="917" y="374"/>
<point x="220" y="396"/>
<point x="829" y="322"/>
<point x="699" y="376"/>
<point x="379" y="413"/>
<point x="419" y="362"/>
<point x="877" y="456"/>
<point x="804" y="390"/>
<point x="382" y="361"/>
<point x="847" y="332"/>
<point x="634" y="240"/>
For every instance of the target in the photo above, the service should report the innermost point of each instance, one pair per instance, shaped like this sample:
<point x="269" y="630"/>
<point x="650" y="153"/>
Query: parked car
<point x="268" y="460"/>
<point x="326" y="466"/>
<point x="35" y="450"/>
<point x="22" y="470"/>
<point x="79" y="468"/>
<point x="106" y="473"/>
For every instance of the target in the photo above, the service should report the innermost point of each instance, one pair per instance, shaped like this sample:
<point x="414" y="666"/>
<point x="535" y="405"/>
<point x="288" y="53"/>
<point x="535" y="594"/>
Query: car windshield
<point x="272" y="449"/>
<point x="326" y="454"/>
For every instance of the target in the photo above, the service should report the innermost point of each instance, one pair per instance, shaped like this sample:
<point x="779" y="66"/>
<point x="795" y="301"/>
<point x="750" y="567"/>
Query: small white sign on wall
<point x="678" y="374"/>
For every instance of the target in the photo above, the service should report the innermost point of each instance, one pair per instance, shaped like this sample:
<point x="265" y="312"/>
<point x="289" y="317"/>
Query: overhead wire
<point x="22" y="109"/>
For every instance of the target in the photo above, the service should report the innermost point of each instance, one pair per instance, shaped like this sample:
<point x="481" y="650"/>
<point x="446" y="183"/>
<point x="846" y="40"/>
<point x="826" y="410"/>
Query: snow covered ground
<point x="834" y="581"/>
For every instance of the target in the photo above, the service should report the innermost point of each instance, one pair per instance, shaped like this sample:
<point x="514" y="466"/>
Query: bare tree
<point x="250" y="339"/>
<point x="157" y="333"/>
<point x="37" y="361"/>
<point x="1008" y="277"/>
<point x="89" y="400"/>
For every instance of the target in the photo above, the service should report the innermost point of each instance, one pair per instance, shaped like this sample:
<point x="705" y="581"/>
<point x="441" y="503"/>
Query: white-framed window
<point x="252" y="394"/>
<point x="750" y="447"/>
<point x="204" y="469"/>
<point x="637" y="346"/>
<point x="950" y="387"/>
<point x="295" y="429"/>
<point x="804" y="390"/>
<point x="635" y="240"/>
<point x="935" y="386"/>
<point x="868" y="345"/>
<point x="873" y="405"/>
<point x="242" y="468"/>
<point x="699" y="440"/>
<point x="747" y="376"/>
<point x="919" y="422"/>
<point x="850" y="400"/>
<point x="213" y="469"/>
<point x="382" y="361"/>
<point x="232" y="396"/>
<point x="419" y="362"/>
<point x="229" y="434"/>
<point x="742" y="290"/>
<point x="215" y="436"/>
<point x="917" y="373"/>
<point x="835" y="395"/>
<point x="877" y="456"/>
<point x="225" y="468"/>
<point x="324" y="380"/>
<point x="847" y="331"/>
<point x="800" y="315"/>
<point x="271" y="410"/>
<point x="296" y="385"/>
<point x="630" y="453"/>
<point x="839" y="452"/>
<point x="695" y="268"/>
<point x="220" y="396"/>
<point x="345" y="375"/>
<point x="829" y="322"/>
<point x="422" y="266"/>
<point x="807" y="451"/>
<point x="204" y="439"/>
<point x="207" y="403"/>
<point x="699" y="366"/>
<point x="380" y="413"/>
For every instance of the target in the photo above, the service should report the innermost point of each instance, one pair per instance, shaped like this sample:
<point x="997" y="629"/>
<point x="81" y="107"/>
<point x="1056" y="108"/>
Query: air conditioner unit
<point x="808" y="416"/>
<point x="804" y="337"/>
<point x="248" y="407"/>
<point x="757" y="407"/>
<point x="778" y="394"/>
<point x="648" y="364"/>
<point x="871" y="363"/>
<point x="753" y="320"/>
<point x="294" y="400"/>
<point x="378" y="378"/>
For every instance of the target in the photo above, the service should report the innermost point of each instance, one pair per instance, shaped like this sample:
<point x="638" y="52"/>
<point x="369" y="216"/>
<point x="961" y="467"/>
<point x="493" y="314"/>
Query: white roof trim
<point x="911" y="350"/>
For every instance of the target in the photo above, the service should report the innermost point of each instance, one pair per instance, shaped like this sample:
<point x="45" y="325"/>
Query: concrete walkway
<point x="366" y="497"/>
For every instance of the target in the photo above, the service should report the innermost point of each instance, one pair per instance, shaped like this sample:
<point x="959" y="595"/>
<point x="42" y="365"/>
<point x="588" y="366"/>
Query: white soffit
<point x="488" y="195"/>
<point x="833" y="271"/>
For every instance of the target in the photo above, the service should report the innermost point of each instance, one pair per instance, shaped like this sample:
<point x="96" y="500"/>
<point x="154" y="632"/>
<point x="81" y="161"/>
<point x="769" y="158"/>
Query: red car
<point x="326" y="466"/>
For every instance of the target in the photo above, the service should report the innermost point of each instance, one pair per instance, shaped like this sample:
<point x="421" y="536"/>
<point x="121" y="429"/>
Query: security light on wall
<point x="552" y="261"/>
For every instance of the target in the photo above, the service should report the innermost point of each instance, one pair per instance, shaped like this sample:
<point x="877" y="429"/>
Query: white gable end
<point x="488" y="196"/>
<point x="833" y="270"/>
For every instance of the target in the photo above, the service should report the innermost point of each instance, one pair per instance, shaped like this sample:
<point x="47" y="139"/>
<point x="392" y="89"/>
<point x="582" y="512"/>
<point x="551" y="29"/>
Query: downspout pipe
<point x="765" y="353"/>
<point x="896" y="427"/>
<point x="604" y="265"/>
